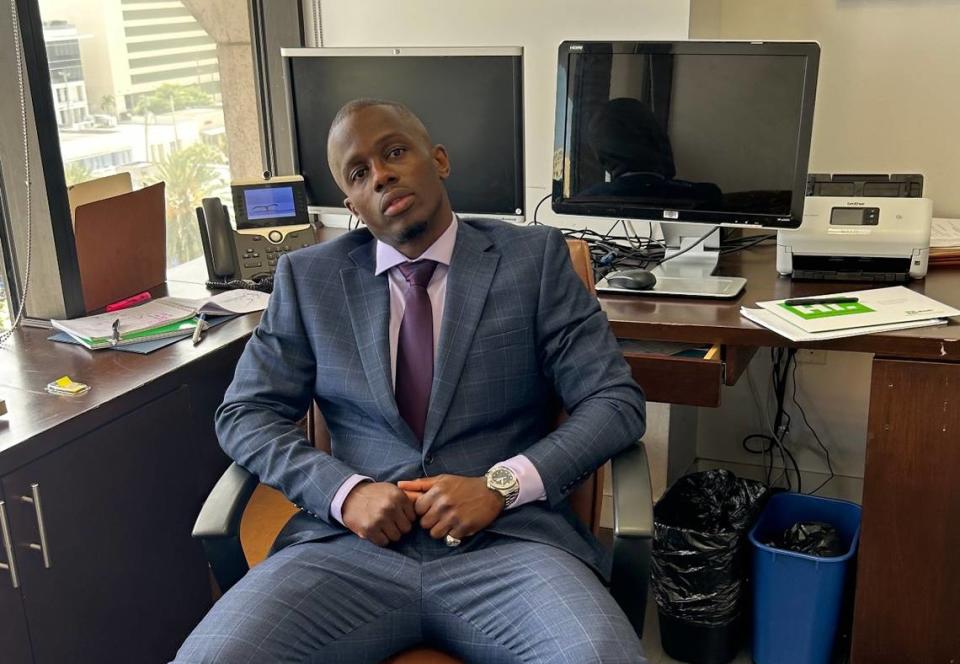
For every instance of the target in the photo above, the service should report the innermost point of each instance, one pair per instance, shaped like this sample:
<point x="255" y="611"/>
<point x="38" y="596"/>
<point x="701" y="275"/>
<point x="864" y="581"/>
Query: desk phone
<point x="271" y="220"/>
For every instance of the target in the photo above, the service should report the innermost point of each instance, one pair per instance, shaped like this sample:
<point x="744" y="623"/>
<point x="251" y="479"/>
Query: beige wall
<point x="888" y="98"/>
<point x="537" y="25"/>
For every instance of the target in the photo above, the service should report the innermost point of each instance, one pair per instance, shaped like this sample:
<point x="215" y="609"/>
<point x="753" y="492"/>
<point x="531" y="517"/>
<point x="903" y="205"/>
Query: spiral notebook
<point x="154" y="320"/>
<point x="182" y="328"/>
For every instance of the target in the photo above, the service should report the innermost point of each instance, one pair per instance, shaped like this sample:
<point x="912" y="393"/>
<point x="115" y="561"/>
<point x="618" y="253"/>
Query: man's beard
<point x="413" y="232"/>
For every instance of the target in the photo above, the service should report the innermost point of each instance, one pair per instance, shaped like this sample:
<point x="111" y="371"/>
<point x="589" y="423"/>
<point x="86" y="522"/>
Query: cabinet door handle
<point x="43" y="547"/>
<point x="8" y="546"/>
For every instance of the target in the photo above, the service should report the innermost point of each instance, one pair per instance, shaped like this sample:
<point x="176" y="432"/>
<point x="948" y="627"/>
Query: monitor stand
<point x="691" y="273"/>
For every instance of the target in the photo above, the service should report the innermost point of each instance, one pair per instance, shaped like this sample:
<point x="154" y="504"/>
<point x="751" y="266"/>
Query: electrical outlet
<point x="811" y="356"/>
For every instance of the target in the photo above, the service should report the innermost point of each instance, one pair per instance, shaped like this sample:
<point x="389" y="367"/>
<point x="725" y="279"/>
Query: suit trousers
<point x="346" y="600"/>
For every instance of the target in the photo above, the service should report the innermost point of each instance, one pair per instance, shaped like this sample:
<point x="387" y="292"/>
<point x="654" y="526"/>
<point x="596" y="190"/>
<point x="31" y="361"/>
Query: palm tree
<point x="190" y="177"/>
<point x="108" y="104"/>
<point x="142" y="108"/>
<point x="76" y="172"/>
<point x="169" y="98"/>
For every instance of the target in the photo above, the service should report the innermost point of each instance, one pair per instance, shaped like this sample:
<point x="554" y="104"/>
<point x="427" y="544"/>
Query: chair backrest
<point x="586" y="499"/>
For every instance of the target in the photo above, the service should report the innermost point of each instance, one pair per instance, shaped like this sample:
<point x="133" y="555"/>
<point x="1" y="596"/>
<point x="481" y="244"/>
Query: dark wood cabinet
<point x="125" y="581"/>
<point x="107" y="569"/>
<point x="14" y="638"/>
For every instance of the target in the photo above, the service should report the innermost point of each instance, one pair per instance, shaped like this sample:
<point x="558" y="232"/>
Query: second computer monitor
<point x="709" y="132"/>
<point x="470" y="99"/>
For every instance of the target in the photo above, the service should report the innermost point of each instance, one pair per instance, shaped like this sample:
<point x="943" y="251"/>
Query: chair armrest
<point x="632" y="533"/>
<point x="218" y="525"/>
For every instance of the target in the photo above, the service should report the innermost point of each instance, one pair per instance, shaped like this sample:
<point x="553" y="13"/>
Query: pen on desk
<point x="820" y="300"/>
<point x="115" y="337"/>
<point x="199" y="329"/>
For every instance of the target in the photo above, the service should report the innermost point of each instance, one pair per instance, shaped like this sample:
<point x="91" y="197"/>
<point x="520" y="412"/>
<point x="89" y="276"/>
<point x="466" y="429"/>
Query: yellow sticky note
<point x="66" y="385"/>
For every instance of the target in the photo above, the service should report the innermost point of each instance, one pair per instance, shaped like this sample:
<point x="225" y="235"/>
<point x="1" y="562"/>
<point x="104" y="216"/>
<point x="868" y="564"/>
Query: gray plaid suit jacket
<point x="520" y="335"/>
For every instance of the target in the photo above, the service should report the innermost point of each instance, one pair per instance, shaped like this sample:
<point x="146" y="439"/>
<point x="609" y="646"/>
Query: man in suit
<point x="437" y="349"/>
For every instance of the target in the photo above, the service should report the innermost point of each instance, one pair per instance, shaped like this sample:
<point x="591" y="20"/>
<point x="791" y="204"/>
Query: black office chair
<point x="239" y="503"/>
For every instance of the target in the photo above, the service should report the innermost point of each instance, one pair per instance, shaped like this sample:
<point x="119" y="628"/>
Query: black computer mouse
<point x="632" y="279"/>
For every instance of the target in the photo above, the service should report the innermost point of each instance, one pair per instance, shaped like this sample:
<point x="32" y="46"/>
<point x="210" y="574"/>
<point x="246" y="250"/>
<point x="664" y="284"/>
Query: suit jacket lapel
<point x="368" y="304"/>
<point x="472" y="268"/>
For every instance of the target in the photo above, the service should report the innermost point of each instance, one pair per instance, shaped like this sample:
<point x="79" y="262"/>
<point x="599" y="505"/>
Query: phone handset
<point x="219" y="245"/>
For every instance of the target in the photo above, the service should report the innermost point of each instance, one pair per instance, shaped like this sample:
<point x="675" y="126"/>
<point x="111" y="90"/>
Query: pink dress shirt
<point x="531" y="484"/>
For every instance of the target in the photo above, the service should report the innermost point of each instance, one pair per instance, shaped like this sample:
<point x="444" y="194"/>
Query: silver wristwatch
<point x="502" y="480"/>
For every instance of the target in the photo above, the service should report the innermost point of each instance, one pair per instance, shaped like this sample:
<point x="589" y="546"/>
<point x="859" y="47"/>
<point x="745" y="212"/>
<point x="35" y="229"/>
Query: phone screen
<point x="269" y="202"/>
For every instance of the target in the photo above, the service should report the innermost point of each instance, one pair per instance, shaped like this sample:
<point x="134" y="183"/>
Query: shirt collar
<point x="440" y="251"/>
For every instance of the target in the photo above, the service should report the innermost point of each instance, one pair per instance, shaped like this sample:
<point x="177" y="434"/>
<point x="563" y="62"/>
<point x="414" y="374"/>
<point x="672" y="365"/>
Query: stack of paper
<point x="227" y="303"/>
<point x="158" y="319"/>
<point x="945" y="243"/>
<point x="154" y="320"/>
<point x="876" y="310"/>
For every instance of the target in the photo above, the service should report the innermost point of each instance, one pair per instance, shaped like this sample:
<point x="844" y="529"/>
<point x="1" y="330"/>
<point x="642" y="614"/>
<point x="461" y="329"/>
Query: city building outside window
<point x="137" y="89"/>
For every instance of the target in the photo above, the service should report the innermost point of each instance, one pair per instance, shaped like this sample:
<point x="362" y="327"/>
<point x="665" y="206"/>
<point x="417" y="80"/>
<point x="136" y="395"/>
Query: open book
<point x="158" y="319"/>
<point x="226" y="303"/>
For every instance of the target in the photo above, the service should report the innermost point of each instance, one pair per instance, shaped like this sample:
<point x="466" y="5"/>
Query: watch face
<point x="502" y="478"/>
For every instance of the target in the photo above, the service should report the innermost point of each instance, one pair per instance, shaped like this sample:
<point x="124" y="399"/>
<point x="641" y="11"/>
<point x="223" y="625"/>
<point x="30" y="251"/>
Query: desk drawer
<point x="666" y="378"/>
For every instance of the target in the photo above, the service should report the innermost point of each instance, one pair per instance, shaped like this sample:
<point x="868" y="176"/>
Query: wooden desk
<point x="908" y="582"/>
<point x="120" y="491"/>
<point x="122" y="472"/>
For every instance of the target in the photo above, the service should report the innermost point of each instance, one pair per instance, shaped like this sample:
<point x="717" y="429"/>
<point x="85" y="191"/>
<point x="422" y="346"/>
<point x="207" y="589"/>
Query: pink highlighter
<point x="132" y="301"/>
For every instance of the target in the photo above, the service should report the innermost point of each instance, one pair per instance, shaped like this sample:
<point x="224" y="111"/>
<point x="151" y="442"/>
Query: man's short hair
<point x="355" y="105"/>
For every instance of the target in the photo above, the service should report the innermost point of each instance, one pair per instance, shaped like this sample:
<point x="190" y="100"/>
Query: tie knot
<point x="418" y="273"/>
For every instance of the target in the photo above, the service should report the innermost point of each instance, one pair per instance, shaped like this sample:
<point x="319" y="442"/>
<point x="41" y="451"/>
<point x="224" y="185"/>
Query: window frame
<point x="48" y="181"/>
<point x="55" y="290"/>
<point x="11" y="273"/>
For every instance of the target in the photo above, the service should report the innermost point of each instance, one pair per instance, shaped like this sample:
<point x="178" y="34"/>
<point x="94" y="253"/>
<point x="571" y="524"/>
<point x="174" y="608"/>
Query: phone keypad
<point x="261" y="253"/>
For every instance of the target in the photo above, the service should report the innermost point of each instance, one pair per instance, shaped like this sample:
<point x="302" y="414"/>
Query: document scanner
<point x="848" y="236"/>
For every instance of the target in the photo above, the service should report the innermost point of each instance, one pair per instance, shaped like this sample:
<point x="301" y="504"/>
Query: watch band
<point x="511" y="493"/>
<point x="510" y="497"/>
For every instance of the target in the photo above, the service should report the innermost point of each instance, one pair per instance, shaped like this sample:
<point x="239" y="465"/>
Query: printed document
<point x="879" y="306"/>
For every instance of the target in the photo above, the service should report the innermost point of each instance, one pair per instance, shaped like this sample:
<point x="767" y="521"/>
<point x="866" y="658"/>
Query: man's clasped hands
<point x="452" y="505"/>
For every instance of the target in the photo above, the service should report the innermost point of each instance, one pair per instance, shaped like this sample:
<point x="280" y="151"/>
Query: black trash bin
<point x="700" y="563"/>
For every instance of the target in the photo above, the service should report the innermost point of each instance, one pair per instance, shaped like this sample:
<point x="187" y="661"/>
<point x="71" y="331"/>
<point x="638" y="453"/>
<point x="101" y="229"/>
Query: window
<point x="137" y="90"/>
<point x="93" y="128"/>
<point x="6" y="243"/>
<point x="5" y="314"/>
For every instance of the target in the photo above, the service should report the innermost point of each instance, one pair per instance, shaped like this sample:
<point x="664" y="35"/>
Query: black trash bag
<point x="699" y="560"/>
<point x="811" y="537"/>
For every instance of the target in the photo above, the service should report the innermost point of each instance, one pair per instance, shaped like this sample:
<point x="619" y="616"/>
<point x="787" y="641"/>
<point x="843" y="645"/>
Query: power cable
<point x="806" y="422"/>
<point x="537" y="209"/>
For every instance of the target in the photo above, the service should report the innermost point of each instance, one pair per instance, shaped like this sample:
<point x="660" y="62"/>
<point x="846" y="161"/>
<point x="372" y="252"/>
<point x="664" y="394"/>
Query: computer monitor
<point x="470" y="99"/>
<point x="711" y="133"/>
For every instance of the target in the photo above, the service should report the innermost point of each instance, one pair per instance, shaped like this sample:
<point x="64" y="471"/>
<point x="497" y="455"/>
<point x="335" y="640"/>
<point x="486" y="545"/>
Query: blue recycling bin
<point x="798" y="597"/>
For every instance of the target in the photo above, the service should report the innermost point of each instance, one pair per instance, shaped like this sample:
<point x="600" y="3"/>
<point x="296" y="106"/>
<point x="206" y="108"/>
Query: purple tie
<point x="415" y="346"/>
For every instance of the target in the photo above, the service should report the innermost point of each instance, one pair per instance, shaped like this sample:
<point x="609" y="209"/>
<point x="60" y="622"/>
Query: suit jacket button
<point x="428" y="459"/>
